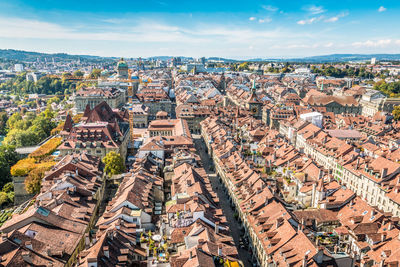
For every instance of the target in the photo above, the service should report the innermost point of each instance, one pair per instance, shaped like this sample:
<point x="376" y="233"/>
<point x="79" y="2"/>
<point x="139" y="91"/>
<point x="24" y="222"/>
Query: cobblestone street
<point x="234" y="226"/>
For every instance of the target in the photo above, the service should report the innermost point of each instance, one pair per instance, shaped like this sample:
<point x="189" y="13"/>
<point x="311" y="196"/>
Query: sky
<point x="227" y="28"/>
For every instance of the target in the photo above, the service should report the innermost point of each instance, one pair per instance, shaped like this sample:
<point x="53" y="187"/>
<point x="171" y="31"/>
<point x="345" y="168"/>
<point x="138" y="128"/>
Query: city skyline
<point x="267" y="29"/>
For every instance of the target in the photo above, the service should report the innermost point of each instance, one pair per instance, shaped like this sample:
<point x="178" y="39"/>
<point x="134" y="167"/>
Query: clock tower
<point x="253" y="104"/>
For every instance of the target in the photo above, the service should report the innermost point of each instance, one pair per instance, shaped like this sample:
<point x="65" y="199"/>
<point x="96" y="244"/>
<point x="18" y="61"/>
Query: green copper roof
<point x="122" y="64"/>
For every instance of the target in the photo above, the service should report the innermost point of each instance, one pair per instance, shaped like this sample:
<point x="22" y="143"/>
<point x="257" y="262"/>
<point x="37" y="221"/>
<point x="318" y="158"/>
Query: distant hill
<point x="12" y="54"/>
<point x="334" y="58"/>
<point x="166" y="58"/>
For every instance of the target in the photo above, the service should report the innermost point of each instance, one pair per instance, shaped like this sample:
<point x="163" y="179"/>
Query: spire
<point x="322" y="85"/>
<point x="68" y="123"/>
<point x="253" y="87"/>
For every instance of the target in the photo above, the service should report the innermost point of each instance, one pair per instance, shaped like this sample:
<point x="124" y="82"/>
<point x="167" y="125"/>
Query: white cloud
<point x="309" y="21"/>
<point x="146" y="37"/>
<point x="332" y="19"/>
<point x="265" y="20"/>
<point x="270" y="8"/>
<point x="372" y="43"/>
<point x="252" y="18"/>
<point x="381" y="9"/>
<point x="336" y="18"/>
<point x="315" y="9"/>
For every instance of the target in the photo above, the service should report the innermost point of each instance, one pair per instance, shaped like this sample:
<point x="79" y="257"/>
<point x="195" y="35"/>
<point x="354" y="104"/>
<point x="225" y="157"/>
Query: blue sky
<point x="234" y="29"/>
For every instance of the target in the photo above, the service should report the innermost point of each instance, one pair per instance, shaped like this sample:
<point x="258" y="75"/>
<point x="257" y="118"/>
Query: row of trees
<point x="331" y="71"/>
<point x="19" y="85"/>
<point x="391" y="89"/>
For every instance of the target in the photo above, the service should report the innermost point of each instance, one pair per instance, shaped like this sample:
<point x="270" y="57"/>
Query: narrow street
<point x="244" y="254"/>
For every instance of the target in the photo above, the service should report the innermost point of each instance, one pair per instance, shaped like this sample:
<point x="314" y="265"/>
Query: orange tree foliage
<point x="34" y="180"/>
<point x="47" y="148"/>
<point x="77" y="118"/>
<point x="58" y="128"/>
<point x="37" y="159"/>
<point x="25" y="166"/>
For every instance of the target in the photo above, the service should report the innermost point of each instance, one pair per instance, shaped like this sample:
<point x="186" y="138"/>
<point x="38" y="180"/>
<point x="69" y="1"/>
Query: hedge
<point x="37" y="159"/>
<point x="47" y="148"/>
<point x="24" y="166"/>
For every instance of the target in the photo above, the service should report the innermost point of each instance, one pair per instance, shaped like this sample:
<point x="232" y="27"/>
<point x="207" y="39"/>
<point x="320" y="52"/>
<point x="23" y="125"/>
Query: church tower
<point x="222" y="84"/>
<point x="253" y="104"/>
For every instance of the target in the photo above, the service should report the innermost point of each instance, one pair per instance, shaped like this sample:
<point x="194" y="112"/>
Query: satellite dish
<point x="307" y="252"/>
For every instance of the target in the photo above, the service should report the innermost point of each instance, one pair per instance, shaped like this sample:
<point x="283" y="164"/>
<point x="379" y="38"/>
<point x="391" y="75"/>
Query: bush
<point x="3" y="198"/>
<point x="8" y="187"/>
<point x="11" y="196"/>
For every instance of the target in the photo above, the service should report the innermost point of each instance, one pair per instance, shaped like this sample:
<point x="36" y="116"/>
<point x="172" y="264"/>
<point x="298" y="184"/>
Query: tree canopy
<point x="391" y="89"/>
<point x="8" y="157"/>
<point x="78" y="73"/>
<point x="114" y="163"/>
<point x="396" y="113"/>
<point x="95" y="73"/>
<point x="3" y="122"/>
<point x="29" y="129"/>
<point x="45" y="85"/>
<point x="347" y="71"/>
<point x="34" y="180"/>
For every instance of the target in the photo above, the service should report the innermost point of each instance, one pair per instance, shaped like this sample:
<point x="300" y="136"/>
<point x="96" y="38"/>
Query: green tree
<point x="78" y="73"/>
<point x="114" y="163"/>
<point x="3" y="123"/>
<point x="11" y="196"/>
<point x="54" y="99"/>
<point x="8" y="157"/>
<point x="3" y="198"/>
<point x="396" y="113"/>
<point x="243" y="66"/>
<point x="21" y="138"/>
<point x="95" y="73"/>
<point x="12" y="121"/>
<point x="8" y="187"/>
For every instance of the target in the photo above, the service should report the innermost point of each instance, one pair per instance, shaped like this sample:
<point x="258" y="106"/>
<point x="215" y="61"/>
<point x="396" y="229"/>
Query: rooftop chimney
<point x="87" y="240"/>
<point x="26" y="256"/>
<point x="383" y="236"/>
<point x="106" y="251"/>
<point x="220" y="250"/>
<point x="305" y="260"/>
<point x="216" y="227"/>
<point x="28" y="244"/>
